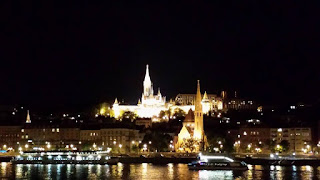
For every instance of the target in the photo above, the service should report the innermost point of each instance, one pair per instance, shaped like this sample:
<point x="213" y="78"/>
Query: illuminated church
<point x="150" y="104"/>
<point x="192" y="137"/>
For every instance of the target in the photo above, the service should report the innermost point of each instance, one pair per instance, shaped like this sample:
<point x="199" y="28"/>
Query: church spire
<point x="28" y="120"/>
<point x="159" y="93"/>
<point x="147" y="84"/>
<point x="147" y="76"/>
<point x="205" y="96"/>
<point x="198" y="106"/>
<point x="116" y="101"/>
<point x="198" y="116"/>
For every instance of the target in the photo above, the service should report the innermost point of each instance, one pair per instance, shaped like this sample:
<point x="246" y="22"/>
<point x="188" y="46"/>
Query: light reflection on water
<point x="150" y="171"/>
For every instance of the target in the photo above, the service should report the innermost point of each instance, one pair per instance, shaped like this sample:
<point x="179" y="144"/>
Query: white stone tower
<point x="147" y="84"/>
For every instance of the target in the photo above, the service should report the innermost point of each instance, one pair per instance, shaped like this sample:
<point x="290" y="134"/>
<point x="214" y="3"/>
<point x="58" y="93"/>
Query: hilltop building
<point x="150" y="104"/>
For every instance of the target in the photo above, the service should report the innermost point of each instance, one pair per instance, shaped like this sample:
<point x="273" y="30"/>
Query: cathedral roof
<point x="189" y="117"/>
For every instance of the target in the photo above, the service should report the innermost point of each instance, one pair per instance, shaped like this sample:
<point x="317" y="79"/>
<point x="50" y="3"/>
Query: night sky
<point x="79" y="54"/>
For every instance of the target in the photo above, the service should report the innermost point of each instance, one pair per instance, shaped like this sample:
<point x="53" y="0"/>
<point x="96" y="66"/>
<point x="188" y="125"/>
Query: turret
<point x="28" y="120"/>
<point x="116" y="101"/>
<point x="205" y="96"/>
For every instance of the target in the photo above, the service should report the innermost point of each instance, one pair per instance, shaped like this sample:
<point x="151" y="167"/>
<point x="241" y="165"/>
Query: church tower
<point x="147" y="84"/>
<point x="28" y="120"/>
<point x="198" y="116"/>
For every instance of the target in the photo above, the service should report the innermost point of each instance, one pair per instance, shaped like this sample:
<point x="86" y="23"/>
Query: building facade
<point x="150" y="105"/>
<point x="253" y="140"/>
<point x="299" y="138"/>
<point x="10" y="136"/>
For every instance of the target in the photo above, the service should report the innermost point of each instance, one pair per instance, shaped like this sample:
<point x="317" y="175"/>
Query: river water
<point x="150" y="171"/>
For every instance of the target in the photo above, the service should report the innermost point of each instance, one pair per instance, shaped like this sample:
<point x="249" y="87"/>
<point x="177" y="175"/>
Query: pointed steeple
<point x="28" y="120"/>
<point x="147" y="76"/>
<point x="139" y="101"/>
<point x="198" y="116"/>
<point x="159" y="93"/>
<point x="116" y="101"/>
<point x="147" y="84"/>
<point x="198" y="106"/>
<point x="205" y="96"/>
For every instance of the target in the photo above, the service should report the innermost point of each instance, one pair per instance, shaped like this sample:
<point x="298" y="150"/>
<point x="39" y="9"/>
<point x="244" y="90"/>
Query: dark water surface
<point x="150" y="171"/>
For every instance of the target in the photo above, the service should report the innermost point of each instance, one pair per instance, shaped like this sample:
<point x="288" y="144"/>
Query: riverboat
<point x="216" y="162"/>
<point x="64" y="157"/>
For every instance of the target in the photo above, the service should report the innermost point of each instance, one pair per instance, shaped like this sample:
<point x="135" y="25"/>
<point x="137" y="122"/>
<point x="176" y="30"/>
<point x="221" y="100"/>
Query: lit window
<point x="58" y="130"/>
<point x="245" y="133"/>
<point x="22" y="130"/>
<point x="53" y="129"/>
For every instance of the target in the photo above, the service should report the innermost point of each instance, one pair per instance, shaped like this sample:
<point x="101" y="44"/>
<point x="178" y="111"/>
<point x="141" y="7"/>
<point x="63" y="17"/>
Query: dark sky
<point x="77" y="54"/>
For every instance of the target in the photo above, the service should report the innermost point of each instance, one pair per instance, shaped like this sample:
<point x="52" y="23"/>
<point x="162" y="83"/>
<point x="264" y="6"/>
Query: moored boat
<point x="64" y="157"/>
<point x="216" y="162"/>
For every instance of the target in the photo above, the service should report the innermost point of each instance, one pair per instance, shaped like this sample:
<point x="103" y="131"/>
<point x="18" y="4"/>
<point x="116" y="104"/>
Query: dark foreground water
<point x="150" y="171"/>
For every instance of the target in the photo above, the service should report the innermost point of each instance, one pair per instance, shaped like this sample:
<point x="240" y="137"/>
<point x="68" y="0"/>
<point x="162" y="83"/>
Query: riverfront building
<point x="192" y="137"/>
<point x="299" y="138"/>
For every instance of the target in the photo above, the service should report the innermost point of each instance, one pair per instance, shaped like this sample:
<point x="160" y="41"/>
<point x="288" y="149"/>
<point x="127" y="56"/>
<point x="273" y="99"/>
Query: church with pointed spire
<point x="151" y="104"/>
<point x="192" y="137"/>
<point x="148" y="106"/>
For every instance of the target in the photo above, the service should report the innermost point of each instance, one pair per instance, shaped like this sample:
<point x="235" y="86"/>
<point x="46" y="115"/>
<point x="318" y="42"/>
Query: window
<point x="22" y="130"/>
<point x="53" y="129"/>
<point x="58" y="130"/>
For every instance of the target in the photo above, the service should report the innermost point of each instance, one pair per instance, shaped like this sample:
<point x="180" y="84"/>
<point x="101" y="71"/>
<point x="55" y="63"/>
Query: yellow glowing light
<point x="102" y="111"/>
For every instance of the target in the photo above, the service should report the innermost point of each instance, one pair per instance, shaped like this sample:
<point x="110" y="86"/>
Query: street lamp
<point x="48" y="146"/>
<point x="4" y="146"/>
<point x="26" y="146"/>
<point x="149" y="142"/>
<point x="120" y="145"/>
<point x="94" y="145"/>
<point x="133" y="142"/>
